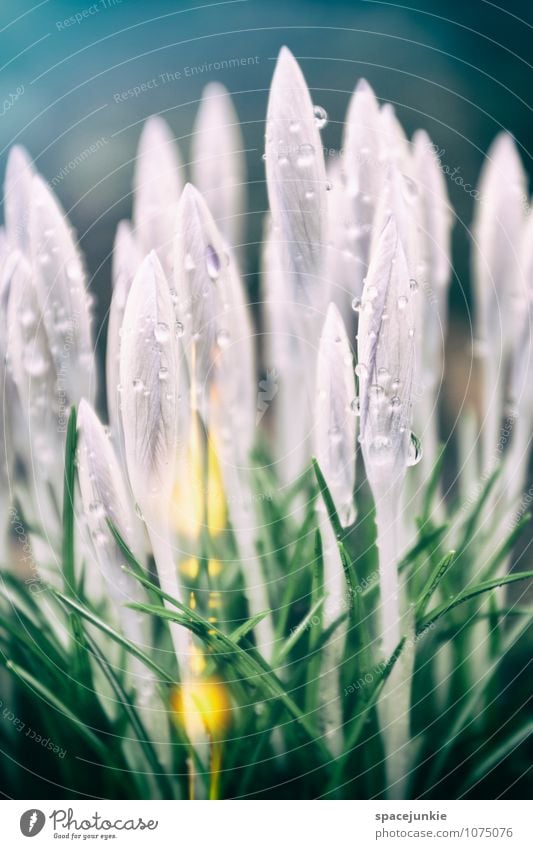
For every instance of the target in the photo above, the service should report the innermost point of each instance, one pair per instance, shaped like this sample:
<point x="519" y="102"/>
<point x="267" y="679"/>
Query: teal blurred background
<point x="458" y="69"/>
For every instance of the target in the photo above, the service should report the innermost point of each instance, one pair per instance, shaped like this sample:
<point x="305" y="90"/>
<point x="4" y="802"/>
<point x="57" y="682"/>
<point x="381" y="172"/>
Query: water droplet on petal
<point x="212" y="262"/>
<point x="415" y="451"/>
<point x="223" y="338"/>
<point x="306" y="155"/>
<point x="161" y="332"/>
<point x="321" y="117"/>
<point x="380" y="450"/>
<point x="402" y="302"/>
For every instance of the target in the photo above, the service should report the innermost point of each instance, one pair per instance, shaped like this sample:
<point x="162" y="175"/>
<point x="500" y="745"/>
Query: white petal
<point x="17" y="197"/>
<point x="386" y="347"/>
<point x="434" y="239"/>
<point x="522" y="354"/>
<point x="34" y="374"/>
<point x="335" y="423"/>
<point x="364" y="159"/>
<point x="498" y="228"/>
<point x="157" y="183"/>
<point x="104" y="498"/>
<point x="296" y="181"/>
<point x="150" y="390"/>
<point x="283" y="392"/>
<point x="61" y="289"/>
<point x="218" y="166"/>
<point x="126" y="261"/>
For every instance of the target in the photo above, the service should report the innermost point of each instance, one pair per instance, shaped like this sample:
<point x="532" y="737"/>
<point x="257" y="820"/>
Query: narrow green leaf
<point x="468" y="709"/>
<point x="251" y="668"/>
<point x="114" y="635"/>
<point x="469" y="593"/>
<point x="68" y="554"/>
<point x="135" y="720"/>
<point x="433" y="582"/>
<point x="496" y="756"/>
<point x="35" y="686"/>
<point x="300" y="629"/>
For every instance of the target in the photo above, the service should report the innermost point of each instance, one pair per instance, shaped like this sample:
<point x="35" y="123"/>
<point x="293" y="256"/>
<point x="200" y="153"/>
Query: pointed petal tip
<point x="363" y="87"/>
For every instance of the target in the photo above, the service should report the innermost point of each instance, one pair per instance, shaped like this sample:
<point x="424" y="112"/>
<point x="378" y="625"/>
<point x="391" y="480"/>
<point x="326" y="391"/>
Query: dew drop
<point x="355" y="407"/>
<point x="179" y="329"/>
<point x="74" y="270"/>
<point x="402" y="302"/>
<point x="35" y="364"/>
<point x="415" y="450"/>
<point x="321" y="117"/>
<point x="223" y="338"/>
<point x="212" y="262"/>
<point x="161" y="332"/>
<point x="306" y="155"/>
<point x="380" y="450"/>
<point x="413" y="285"/>
<point x="356" y="304"/>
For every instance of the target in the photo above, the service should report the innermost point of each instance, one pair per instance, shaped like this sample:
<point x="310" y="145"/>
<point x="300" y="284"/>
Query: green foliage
<point x="69" y="666"/>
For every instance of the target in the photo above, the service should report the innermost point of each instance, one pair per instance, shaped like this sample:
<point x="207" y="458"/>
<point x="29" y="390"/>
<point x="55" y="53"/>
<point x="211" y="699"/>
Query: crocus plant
<point x="225" y="596"/>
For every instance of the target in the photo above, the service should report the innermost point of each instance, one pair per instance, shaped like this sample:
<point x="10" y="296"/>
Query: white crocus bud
<point x="34" y="374"/>
<point x="297" y="183"/>
<point x="335" y="423"/>
<point x="363" y="158"/>
<point x="149" y="408"/>
<point x="219" y="342"/>
<point x="517" y="458"/>
<point x="60" y="282"/>
<point x="284" y="381"/>
<point x="297" y="191"/>
<point x="386" y="349"/>
<point x="386" y="355"/>
<point x="126" y="262"/>
<point x="434" y="236"/>
<point x="498" y="228"/>
<point x="105" y="498"/>
<point x="218" y="166"/>
<point x="17" y="198"/>
<point x="157" y="186"/>
<point x="335" y="440"/>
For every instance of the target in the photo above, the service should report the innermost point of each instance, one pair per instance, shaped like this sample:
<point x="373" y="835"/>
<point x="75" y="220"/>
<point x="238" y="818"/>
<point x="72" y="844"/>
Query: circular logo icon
<point x="32" y="822"/>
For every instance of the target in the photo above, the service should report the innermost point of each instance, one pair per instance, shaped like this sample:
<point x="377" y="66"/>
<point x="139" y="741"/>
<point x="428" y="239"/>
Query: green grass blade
<point x="251" y="668"/>
<point x="136" y="722"/>
<point x="469" y="593"/>
<point x="68" y="554"/>
<point x="115" y="636"/>
<point x="499" y="754"/>
<point x="433" y="582"/>
<point x="298" y="632"/>
<point x="53" y="701"/>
